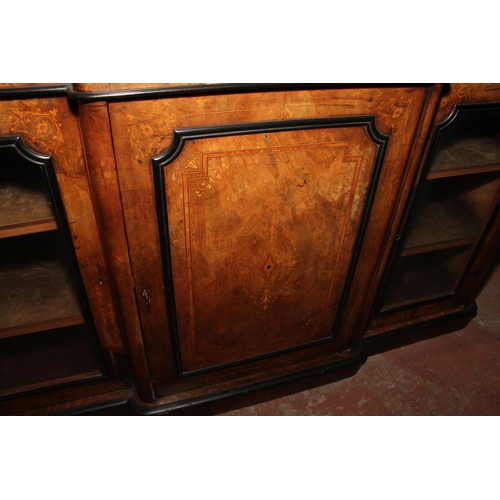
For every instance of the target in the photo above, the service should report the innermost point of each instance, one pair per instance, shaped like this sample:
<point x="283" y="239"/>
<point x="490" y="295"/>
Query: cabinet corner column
<point x="100" y="158"/>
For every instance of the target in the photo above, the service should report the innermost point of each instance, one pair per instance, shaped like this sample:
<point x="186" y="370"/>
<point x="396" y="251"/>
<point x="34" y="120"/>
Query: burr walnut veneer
<point x="232" y="243"/>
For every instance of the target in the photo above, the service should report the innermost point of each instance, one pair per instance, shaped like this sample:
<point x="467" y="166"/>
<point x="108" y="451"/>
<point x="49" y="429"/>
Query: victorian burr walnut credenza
<point x="191" y="248"/>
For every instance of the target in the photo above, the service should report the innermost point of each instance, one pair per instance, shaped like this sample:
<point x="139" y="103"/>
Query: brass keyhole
<point x="146" y="298"/>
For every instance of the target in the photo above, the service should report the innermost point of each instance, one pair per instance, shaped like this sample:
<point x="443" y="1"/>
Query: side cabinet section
<point x="60" y="346"/>
<point x="450" y="236"/>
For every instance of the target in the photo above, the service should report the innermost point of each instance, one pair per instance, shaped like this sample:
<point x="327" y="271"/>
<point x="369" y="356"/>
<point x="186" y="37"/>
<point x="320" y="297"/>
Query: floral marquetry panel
<point x="260" y="232"/>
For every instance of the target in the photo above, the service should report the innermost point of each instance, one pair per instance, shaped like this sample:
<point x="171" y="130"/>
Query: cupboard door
<point x="256" y="223"/>
<point x="47" y="335"/>
<point x="456" y="205"/>
<point x="260" y="229"/>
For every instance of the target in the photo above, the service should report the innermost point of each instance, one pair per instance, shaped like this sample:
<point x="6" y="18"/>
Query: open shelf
<point x="25" y="206"/>
<point x="456" y="201"/>
<point x="466" y="155"/>
<point x="440" y="224"/>
<point x="422" y="277"/>
<point x="45" y="340"/>
<point x="46" y="359"/>
<point x="36" y="290"/>
<point x="450" y="212"/>
<point x="40" y="326"/>
<point x="39" y="226"/>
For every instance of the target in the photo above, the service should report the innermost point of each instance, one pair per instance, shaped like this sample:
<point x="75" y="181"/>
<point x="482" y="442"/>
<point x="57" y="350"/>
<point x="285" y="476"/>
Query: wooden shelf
<point x="50" y="383"/>
<point x="441" y="174"/>
<point x="433" y="247"/>
<point x="46" y="359"/>
<point x="440" y="224"/>
<point x="36" y="295"/>
<point x="24" y="210"/>
<point x="422" y="277"/>
<point x="466" y="156"/>
<point x="40" y="326"/>
<point x="31" y="227"/>
<point x="419" y="283"/>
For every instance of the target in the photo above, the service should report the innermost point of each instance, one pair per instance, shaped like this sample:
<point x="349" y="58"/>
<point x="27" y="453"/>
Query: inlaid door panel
<point x="259" y="233"/>
<point x="257" y="223"/>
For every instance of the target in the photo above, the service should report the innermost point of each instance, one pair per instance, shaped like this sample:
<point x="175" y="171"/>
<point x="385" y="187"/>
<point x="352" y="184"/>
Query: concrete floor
<point x="454" y="374"/>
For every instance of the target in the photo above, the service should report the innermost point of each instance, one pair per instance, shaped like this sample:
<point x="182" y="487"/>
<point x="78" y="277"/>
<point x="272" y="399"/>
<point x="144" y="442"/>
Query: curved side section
<point x="459" y="112"/>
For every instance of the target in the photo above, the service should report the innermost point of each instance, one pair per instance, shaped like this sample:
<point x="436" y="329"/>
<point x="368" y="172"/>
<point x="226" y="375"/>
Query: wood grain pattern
<point x="255" y="232"/>
<point x="143" y="129"/>
<point x="268" y="227"/>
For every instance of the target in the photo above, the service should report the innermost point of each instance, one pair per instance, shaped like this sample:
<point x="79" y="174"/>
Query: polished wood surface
<point x="234" y="239"/>
<point x="144" y="129"/>
<point x="262" y="229"/>
<point x="100" y="157"/>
